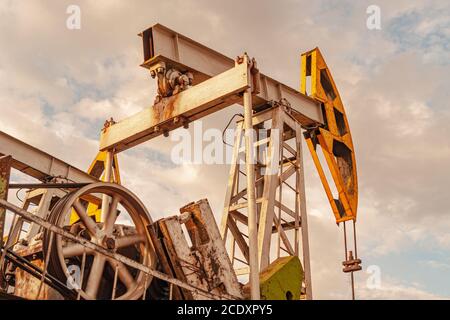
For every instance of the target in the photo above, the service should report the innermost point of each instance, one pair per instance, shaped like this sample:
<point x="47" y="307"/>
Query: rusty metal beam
<point x="47" y="185"/>
<point x="39" y="164"/>
<point x="162" y="44"/>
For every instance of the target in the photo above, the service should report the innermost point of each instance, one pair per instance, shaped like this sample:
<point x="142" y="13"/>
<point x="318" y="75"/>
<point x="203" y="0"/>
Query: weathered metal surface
<point x="5" y="171"/>
<point x="251" y="195"/>
<point x="26" y="285"/>
<point x="44" y="199"/>
<point x="170" y="81"/>
<point x="206" y="239"/>
<point x="47" y="185"/>
<point x="162" y="45"/>
<point x="204" y="262"/>
<point x="163" y="261"/>
<point x="39" y="164"/>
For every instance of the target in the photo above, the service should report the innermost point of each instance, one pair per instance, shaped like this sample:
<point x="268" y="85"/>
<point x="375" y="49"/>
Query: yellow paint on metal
<point x="97" y="169"/>
<point x="282" y="279"/>
<point x="334" y="137"/>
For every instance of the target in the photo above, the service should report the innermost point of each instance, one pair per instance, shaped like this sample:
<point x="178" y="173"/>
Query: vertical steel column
<point x="259" y="161"/>
<point x="303" y="215"/>
<point x="108" y="173"/>
<point x="251" y="193"/>
<point x="5" y="171"/>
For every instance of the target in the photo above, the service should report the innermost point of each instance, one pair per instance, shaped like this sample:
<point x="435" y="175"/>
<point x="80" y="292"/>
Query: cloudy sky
<point x="57" y="86"/>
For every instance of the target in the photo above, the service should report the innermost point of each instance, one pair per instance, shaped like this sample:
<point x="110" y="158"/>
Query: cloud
<point x="396" y="292"/>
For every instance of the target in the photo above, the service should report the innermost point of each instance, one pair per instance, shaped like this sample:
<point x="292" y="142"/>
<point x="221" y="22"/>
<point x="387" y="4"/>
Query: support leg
<point x="303" y="216"/>
<point x="252" y="219"/>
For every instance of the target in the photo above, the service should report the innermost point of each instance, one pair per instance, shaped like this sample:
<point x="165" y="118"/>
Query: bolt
<point x="239" y="59"/>
<point x="110" y="243"/>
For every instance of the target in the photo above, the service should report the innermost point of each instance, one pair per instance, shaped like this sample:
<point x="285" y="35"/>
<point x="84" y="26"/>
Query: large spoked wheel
<point x="123" y="231"/>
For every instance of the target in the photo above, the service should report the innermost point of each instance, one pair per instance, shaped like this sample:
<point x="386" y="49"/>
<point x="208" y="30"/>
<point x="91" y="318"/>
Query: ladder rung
<point x="290" y="187"/>
<point x="256" y="144"/>
<point x="289" y="149"/>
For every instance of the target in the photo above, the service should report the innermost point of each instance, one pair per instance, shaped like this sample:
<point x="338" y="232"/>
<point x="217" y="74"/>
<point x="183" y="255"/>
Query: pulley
<point x="92" y="274"/>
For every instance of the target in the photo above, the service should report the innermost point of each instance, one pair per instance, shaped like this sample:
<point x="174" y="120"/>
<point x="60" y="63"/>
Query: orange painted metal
<point x="334" y="137"/>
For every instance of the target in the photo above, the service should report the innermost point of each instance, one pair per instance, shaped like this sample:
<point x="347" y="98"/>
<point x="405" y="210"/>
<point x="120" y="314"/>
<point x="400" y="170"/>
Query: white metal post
<point x="251" y="204"/>
<point x="108" y="173"/>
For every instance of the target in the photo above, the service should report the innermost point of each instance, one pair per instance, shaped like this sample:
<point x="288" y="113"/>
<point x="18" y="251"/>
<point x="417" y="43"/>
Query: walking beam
<point x="176" y="50"/>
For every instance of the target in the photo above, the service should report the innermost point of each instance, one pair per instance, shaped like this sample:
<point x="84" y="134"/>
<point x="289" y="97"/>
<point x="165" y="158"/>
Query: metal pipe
<point x="303" y="213"/>
<point x="345" y="241"/>
<point x="36" y="272"/>
<point x="353" y="286"/>
<point x="352" y="279"/>
<point x="145" y="287"/>
<point x="47" y="259"/>
<point x="356" y="257"/>
<point x="14" y="233"/>
<point x="80" y="285"/>
<point x="113" y="296"/>
<point x="251" y="201"/>
<point x="280" y="193"/>
<point x="47" y="185"/>
<point x="354" y="239"/>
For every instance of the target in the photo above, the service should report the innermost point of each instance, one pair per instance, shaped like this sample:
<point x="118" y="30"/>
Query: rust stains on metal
<point x="5" y="171"/>
<point x="26" y="285"/>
